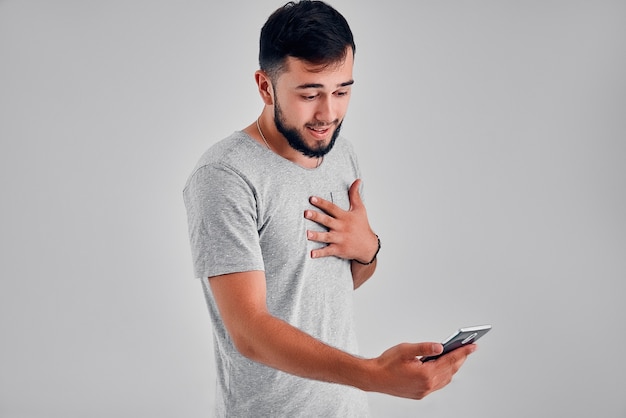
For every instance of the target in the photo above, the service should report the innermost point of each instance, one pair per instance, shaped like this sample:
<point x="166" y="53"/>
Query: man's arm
<point x="269" y="340"/>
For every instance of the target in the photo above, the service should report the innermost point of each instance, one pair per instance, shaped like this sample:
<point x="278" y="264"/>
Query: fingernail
<point x="307" y="214"/>
<point x="313" y="199"/>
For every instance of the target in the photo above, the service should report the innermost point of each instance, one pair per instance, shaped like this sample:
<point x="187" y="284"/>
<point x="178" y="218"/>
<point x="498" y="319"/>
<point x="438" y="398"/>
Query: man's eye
<point x="309" y="97"/>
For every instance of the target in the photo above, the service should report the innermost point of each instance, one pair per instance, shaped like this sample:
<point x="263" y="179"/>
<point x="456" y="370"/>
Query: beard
<point x="296" y="141"/>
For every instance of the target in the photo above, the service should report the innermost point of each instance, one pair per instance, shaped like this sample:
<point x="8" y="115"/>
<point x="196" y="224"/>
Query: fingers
<point x="452" y="362"/>
<point x="326" y="251"/>
<point x="354" y="195"/>
<point x="320" y="218"/>
<point x="323" y="237"/>
<point x="430" y="349"/>
<point x="425" y="349"/>
<point x="441" y="371"/>
<point x="325" y="205"/>
<point x="332" y="211"/>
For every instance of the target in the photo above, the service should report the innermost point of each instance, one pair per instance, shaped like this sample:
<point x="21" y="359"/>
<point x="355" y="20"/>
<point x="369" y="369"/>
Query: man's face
<point x="310" y="104"/>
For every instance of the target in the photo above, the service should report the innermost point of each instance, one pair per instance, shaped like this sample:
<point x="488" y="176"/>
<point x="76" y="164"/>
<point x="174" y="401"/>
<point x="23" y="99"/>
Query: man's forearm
<point x="275" y="343"/>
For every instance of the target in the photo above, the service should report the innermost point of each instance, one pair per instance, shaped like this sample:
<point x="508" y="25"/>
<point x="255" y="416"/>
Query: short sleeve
<point x="222" y="222"/>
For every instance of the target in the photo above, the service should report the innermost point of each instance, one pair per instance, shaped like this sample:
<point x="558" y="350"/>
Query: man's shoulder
<point x="230" y="154"/>
<point x="228" y="150"/>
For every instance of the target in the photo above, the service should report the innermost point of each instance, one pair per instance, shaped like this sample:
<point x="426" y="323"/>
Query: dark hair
<point x="310" y="30"/>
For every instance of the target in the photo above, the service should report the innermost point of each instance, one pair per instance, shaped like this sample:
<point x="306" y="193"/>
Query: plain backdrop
<point x="492" y="137"/>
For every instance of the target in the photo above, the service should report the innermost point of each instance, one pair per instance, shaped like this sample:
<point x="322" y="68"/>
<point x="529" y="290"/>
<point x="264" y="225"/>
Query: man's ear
<point x="264" y="85"/>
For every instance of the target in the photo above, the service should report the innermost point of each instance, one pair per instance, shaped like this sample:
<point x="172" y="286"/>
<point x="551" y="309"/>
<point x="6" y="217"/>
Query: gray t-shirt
<point x="245" y="208"/>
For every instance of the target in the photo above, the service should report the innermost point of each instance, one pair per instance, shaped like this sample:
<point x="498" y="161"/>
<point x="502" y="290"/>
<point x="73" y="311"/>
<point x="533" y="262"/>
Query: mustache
<point x="322" y="124"/>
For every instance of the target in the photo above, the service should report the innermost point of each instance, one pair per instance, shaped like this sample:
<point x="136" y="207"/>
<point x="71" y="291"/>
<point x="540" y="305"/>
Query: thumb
<point x="426" y="349"/>
<point x="354" y="195"/>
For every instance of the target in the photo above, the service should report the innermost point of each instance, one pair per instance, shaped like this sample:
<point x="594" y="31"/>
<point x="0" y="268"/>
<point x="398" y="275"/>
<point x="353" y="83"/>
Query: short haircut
<point x="309" y="30"/>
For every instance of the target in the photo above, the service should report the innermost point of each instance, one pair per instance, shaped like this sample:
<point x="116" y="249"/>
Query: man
<point x="280" y="238"/>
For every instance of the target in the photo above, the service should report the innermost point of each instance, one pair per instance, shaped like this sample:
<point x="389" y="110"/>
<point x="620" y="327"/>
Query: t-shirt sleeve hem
<point x="227" y="270"/>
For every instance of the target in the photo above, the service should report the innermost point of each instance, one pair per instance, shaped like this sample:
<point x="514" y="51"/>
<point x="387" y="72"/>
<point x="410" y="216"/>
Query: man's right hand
<point x="400" y="372"/>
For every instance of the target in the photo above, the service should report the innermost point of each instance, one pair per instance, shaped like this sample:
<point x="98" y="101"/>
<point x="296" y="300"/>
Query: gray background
<point x="492" y="138"/>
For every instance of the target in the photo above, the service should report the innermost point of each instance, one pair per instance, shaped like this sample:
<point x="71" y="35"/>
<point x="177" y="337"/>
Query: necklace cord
<point x="262" y="136"/>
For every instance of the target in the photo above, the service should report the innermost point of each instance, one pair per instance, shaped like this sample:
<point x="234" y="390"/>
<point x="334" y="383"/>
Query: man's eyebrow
<point x="321" y="86"/>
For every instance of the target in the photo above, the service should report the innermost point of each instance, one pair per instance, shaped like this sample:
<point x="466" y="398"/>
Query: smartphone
<point x="460" y="338"/>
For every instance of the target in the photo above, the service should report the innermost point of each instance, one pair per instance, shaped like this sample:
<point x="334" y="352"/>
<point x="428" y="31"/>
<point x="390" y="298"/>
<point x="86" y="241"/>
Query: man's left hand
<point x="349" y="234"/>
